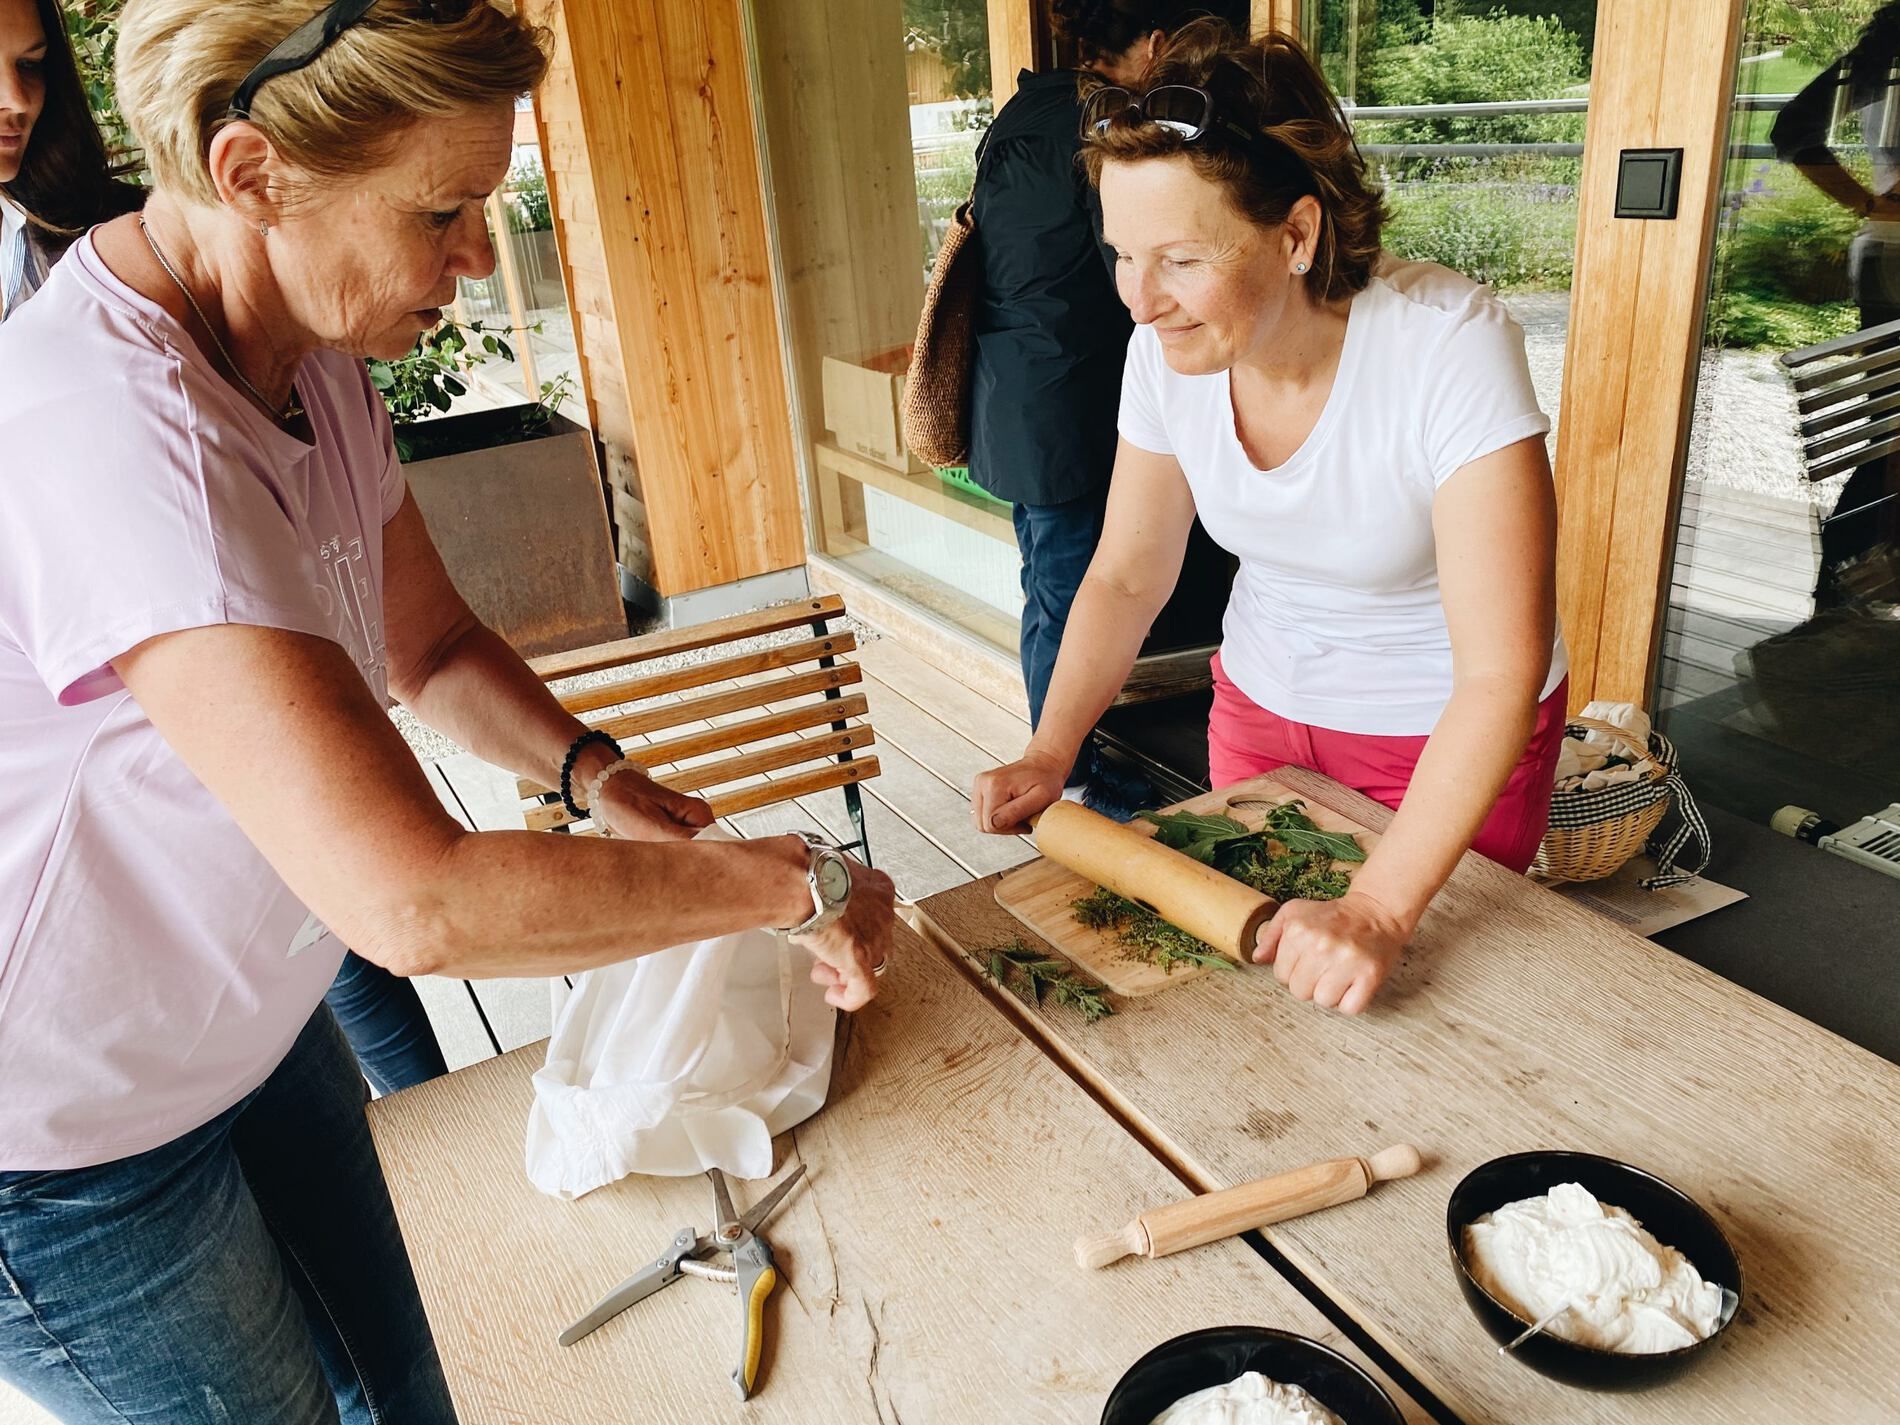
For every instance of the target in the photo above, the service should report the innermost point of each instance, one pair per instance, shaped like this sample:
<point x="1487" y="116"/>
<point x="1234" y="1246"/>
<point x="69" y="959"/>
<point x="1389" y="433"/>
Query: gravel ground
<point x="1743" y="437"/>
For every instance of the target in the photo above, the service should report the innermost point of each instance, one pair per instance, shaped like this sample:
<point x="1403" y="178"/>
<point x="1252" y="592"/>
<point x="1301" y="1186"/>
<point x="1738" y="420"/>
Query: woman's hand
<point x="636" y="808"/>
<point x="1004" y="798"/>
<point x="1335" y="953"/>
<point x="852" y="950"/>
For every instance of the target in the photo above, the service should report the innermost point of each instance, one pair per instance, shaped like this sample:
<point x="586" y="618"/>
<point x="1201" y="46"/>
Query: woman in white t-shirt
<point x="1363" y="434"/>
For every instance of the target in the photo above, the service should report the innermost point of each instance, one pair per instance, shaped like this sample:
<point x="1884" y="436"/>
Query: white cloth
<point x="680" y="1061"/>
<point x="1335" y="618"/>
<point x="1584" y="757"/>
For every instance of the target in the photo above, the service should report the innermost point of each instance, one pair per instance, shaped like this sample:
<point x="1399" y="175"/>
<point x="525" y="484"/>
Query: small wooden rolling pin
<point x="1206" y="904"/>
<point x="1161" y="1231"/>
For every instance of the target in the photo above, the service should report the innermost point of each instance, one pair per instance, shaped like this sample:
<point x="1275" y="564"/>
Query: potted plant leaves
<point x="511" y="496"/>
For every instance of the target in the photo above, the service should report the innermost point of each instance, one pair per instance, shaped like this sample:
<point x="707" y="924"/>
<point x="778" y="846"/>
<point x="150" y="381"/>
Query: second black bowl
<point x="1201" y="1360"/>
<point x="1669" y="1214"/>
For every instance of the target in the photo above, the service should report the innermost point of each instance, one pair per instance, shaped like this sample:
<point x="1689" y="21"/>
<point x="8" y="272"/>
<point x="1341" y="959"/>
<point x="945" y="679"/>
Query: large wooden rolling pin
<point x="1205" y="903"/>
<point x="1214" y="1215"/>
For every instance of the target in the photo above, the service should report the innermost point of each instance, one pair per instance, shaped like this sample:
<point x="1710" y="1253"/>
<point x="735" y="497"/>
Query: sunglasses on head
<point x="1182" y="109"/>
<point x="315" y="35"/>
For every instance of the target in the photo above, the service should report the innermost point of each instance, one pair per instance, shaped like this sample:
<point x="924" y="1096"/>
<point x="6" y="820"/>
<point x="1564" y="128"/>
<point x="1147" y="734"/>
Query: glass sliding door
<point x="1780" y="661"/>
<point x="1472" y="116"/>
<point x="871" y="112"/>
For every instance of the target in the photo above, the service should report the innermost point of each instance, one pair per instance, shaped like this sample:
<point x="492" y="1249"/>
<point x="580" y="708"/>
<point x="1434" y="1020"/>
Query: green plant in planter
<point x="429" y="380"/>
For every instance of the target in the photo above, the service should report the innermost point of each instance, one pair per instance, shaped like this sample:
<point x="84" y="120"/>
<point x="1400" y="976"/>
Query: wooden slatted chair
<point x="768" y="729"/>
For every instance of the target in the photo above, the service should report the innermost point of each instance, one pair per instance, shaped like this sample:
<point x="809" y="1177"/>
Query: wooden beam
<point x="1282" y="15"/>
<point x="665" y="107"/>
<point x="1664" y="77"/>
<point x="1014" y="40"/>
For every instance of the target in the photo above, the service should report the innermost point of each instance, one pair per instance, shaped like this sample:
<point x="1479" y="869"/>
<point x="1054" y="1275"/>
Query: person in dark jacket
<point x="1862" y="83"/>
<point x="1051" y="333"/>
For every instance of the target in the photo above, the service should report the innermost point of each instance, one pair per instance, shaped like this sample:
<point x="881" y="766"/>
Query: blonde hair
<point x="180" y="61"/>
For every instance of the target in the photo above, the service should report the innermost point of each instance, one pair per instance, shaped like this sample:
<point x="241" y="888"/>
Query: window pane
<point x="1472" y="117"/>
<point x="1780" y="669"/>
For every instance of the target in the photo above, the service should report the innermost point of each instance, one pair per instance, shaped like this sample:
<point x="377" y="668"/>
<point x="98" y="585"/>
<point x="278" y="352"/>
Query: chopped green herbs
<point x="1031" y="976"/>
<point x="1145" y="935"/>
<point x="1289" y="858"/>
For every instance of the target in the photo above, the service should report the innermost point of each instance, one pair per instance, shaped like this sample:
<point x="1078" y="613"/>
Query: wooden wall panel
<point x="666" y="115"/>
<point x="1664" y="78"/>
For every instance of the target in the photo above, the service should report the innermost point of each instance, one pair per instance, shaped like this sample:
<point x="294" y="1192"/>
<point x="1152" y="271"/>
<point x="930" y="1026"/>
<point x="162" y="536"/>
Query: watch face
<point x="834" y="881"/>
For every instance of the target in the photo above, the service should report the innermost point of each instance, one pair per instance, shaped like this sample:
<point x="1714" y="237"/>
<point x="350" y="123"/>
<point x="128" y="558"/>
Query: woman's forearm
<point x="1479" y="739"/>
<point x="1104" y="634"/>
<point x="482" y="911"/>
<point x="481" y="693"/>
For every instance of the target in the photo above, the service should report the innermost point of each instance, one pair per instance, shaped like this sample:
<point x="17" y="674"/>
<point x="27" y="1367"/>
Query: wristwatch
<point x="829" y="875"/>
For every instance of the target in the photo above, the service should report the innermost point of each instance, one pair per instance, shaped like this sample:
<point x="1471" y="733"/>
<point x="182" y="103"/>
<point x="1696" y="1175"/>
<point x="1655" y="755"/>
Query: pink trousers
<point x="1245" y="740"/>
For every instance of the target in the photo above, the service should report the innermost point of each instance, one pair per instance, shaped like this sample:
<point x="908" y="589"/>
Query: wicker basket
<point x="1594" y="834"/>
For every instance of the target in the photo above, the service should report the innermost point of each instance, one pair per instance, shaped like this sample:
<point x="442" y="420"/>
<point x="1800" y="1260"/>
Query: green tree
<point x="959" y="31"/>
<point x="1475" y="60"/>
<point x="1816" y="32"/>
<point x="93" y="26"/>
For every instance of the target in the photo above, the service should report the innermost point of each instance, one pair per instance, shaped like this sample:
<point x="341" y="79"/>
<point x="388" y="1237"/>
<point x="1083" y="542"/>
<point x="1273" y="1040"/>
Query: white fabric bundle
<point x="1584" y="762"/>
<point x="679" y="1061"/>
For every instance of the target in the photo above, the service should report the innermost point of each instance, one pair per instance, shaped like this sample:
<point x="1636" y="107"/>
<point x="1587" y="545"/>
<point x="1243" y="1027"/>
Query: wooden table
<point x="928" y="1256"/>
<point x="1520" y="1021"/>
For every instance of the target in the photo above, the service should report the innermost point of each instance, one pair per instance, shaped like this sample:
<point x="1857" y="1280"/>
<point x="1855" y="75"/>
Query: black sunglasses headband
<point x="303" y="44"/>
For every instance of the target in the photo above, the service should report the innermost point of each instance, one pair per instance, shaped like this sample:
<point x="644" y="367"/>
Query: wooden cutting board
<point x="1040" y="894"/>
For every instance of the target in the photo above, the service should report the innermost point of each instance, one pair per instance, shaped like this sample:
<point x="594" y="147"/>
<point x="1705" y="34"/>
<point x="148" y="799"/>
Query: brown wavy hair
<point x="67" y="181"/>
<point x="1298" y="145"/>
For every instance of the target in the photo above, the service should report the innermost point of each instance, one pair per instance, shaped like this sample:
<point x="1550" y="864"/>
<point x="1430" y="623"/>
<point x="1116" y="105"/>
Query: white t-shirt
<point x="1335" y="618"/>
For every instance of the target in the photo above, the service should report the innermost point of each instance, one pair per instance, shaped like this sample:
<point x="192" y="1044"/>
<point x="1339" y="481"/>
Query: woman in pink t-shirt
<point x="212" y="580"/>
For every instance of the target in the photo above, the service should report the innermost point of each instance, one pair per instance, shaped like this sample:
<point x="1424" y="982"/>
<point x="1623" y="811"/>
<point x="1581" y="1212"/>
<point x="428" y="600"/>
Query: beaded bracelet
<point x="593" y="734"/>
<point x="598" y="781"/>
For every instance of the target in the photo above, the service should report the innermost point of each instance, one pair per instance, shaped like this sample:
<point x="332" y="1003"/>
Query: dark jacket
<point x="1051" y="334"/>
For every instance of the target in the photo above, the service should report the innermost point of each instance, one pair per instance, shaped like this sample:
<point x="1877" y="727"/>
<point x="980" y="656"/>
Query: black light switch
<point x="1648" y="181"/>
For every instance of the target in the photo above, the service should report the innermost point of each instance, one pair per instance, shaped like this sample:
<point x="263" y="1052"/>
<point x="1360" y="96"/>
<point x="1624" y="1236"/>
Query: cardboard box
<point x="863" y="395"/>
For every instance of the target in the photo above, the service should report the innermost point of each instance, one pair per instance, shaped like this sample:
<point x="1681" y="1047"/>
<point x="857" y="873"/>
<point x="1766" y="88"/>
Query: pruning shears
<point x="753" y="1271"/>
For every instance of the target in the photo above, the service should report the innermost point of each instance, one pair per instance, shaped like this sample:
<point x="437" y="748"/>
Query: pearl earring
<point x="263" y="229"/>
<point x="1300" y="267"/>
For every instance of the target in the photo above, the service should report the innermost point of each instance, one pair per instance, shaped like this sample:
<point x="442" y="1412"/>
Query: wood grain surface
<point x="1042" y="894"/>
<point x="927" y="1259"/>
<point x="1520" y="1021"/>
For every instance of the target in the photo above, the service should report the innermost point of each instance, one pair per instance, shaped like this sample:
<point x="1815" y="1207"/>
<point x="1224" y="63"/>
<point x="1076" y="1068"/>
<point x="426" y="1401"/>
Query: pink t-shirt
<point x="153" y="967"/>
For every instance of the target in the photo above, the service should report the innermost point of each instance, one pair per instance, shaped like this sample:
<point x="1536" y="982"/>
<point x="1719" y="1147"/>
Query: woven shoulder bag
<point x="936" y="406"/>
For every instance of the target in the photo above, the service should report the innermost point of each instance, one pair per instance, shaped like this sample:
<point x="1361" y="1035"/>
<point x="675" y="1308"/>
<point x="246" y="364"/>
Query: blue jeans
<point x="1057" y="542"/>
<point x="249" y="1271"/>
<point x="383" y="1018"/>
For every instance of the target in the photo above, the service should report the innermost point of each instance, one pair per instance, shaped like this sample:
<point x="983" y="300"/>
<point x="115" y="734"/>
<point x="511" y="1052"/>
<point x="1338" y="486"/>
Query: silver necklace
<point x="292" y="408"/>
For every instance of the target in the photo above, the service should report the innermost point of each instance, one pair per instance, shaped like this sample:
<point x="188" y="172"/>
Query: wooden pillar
<point x="653" y="164"/>
<point x="1283" y="15"/>
<point x="1663" y="77"/>
<point x="1015" y="40"/>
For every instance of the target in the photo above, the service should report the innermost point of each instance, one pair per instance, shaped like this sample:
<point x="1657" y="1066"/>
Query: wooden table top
<point x="927" y="1256"/>
<point x="1521" y="1021"/>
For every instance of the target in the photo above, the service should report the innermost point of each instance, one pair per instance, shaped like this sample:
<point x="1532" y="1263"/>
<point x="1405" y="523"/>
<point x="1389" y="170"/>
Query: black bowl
<point x="1201" y="1360"/>
<point x="1671" y="1217"/>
